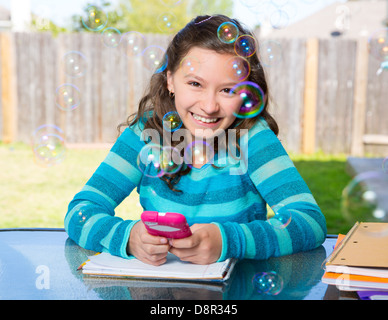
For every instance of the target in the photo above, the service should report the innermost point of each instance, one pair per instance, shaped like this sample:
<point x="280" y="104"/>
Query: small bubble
<point x="74" y="64"/>
<point x="172" y="121"/>
<point x="111" y="37"/>
<point x="245" y="46"/>
<point x="94" y="18"/>
<point x="67" y="97"/>
<point x="227" y="32"/>
<point x="155" y="58"/>
<point x="269" y="283"/>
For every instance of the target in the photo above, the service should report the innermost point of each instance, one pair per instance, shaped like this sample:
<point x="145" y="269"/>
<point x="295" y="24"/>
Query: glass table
<point x="43" y="263"/>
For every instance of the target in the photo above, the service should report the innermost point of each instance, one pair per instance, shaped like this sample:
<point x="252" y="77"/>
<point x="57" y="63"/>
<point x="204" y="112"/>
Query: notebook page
<point x="173" y="268"/>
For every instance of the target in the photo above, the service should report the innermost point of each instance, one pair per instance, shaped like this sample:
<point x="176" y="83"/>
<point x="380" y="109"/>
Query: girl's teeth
<point x="197" y="117"/>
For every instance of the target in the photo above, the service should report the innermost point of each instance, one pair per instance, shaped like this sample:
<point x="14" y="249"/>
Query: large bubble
<point x="252" y="99"/>
<point x="364" y="199"/>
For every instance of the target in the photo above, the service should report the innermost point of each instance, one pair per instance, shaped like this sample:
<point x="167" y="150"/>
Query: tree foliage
<point x="155" y="16"/>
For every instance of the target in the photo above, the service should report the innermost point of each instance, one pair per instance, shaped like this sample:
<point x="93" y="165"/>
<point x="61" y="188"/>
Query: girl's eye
<point x="194" y="84"/>
<point x="228" y="91"/>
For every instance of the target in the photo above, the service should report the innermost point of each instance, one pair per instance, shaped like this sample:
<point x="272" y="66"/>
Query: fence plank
<point x="335" y="95"/>
<point x="285" y="79"/>
<point x="376" y="115"/>
<point x="360" y="98"/>
<point x="8" y="88"/>
<point x="310" y="102"/>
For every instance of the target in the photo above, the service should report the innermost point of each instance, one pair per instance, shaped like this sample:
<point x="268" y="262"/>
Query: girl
<point x="227" y="212"/>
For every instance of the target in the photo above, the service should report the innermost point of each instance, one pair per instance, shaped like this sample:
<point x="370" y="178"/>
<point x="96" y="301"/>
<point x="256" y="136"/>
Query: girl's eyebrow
<point x="194" y="76"/>
<point x="199" y="79"/>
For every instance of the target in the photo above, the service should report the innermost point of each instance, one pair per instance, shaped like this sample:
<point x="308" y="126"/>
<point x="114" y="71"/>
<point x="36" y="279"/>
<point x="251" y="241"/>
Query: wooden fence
<point x="326" y="94"/>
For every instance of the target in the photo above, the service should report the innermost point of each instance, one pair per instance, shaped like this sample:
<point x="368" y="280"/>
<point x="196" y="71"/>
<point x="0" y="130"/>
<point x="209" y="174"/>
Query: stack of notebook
<point x="106" y="265"/>
<point x="359" y="261"/>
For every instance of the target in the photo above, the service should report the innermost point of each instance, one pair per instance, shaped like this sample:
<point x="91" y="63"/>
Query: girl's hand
<point x="146" y="247"/>
<point x="202" y="247"/>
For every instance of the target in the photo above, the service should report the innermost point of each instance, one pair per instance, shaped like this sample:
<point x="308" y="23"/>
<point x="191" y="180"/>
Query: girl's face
<point x="202" y="86"/>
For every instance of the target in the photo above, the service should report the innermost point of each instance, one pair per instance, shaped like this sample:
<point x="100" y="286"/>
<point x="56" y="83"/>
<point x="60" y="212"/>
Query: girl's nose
<point x="210" y="104"/>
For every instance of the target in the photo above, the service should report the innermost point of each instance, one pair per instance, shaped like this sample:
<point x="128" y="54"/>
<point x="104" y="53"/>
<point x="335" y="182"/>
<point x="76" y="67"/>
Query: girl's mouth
<point x="205" y="120"/>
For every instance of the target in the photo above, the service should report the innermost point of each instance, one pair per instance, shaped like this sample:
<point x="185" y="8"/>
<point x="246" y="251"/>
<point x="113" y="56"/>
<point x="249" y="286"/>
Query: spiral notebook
<point x="107" y="265"/>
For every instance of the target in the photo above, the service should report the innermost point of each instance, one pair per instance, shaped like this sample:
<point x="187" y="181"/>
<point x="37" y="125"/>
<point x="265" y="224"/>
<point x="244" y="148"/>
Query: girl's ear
<point x="170" y="86"/>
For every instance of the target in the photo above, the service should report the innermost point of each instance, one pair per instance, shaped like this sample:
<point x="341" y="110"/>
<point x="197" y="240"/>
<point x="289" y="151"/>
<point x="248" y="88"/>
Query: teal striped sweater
<point x="237" y="204"/>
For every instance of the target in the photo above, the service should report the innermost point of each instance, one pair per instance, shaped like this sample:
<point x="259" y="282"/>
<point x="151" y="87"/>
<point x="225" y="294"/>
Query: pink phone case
<point x="166" y="224"/>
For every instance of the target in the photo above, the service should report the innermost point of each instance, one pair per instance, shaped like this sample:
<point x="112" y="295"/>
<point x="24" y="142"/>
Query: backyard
<point x="32" y="195"/>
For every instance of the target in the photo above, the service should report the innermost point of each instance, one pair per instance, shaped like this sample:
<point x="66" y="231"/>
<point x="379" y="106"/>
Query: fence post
<point x="310" y="96"/>
<point x="360" y="92"/>
<point x="8" y="88"/>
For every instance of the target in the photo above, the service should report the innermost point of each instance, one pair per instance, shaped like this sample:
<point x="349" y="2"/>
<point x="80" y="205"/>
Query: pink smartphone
<point x="166" y="224"/>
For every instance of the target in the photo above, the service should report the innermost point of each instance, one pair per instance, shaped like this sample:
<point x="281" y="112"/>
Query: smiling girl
<point x="206" y="84"/>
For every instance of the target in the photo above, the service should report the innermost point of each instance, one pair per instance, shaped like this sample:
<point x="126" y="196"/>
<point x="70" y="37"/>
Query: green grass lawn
<point x="35" y="196"/>
<point x="32" y="195"/>
<point x="326" y="177"/>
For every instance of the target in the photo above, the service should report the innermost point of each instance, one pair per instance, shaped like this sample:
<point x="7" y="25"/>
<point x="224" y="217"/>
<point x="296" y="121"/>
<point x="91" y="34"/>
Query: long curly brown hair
<point x="200" y="32"/>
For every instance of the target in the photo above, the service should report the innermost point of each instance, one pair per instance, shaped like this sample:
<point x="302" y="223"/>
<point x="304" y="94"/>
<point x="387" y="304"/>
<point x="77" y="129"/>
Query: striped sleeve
<point x="90" y="220"/>
<point x="300" y="224"/>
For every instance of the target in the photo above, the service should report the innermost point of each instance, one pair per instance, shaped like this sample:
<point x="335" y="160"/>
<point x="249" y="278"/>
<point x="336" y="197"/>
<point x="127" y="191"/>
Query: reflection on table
<point x="42" y="264"/>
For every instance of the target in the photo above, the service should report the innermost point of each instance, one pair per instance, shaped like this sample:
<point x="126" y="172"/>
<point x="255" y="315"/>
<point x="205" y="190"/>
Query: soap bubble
<point x="166" y="22"/>
<point x="190" y="65"/>
<point x="111" y="37"/>
<point x="148" y="160"/>
<point x="282" y="216"/>
<point x="198" y="152"/>
<point x="279" y="19"/>
<point x="271" y="53"/>
<point x="171" y="161"/>
<point x="269" y="283"/>
<point x="50" y="150"/>
<point x="227" y="32"/>
<point x="133" y="43"/>
<point x="94" y="18"/>
<point x="67" y="97"/>
<point x="45" y="129"/>
<point x="363" y="199"/>
<point x="239" y="68"/>
<point x="252" y="99"/>
<point x="48" y="145"/>
<point x="378" y="44"/>
<point x="74" y="64"/>
<point x="172" y="121"/>
<point x="154" y="58"/>
<point x="245" y="46"/>
<point x="82" y="215"/>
